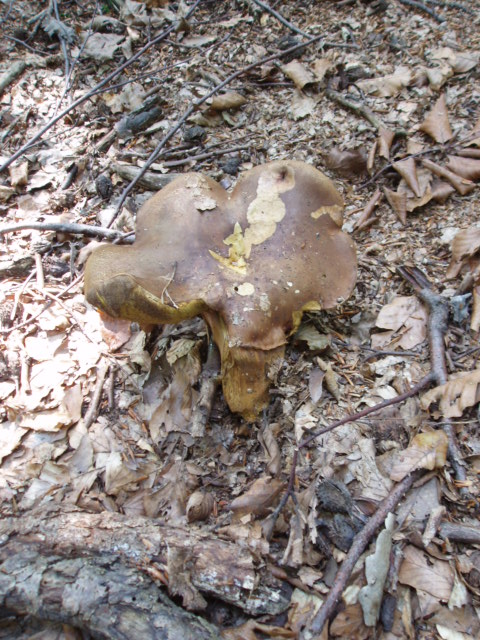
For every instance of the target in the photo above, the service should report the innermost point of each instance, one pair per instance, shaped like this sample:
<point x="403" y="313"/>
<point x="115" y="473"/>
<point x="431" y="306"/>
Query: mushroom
<point x="250" y="263"/>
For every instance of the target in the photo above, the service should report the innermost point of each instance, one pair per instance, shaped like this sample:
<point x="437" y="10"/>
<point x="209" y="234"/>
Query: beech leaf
<point x="436" y="124"/>
<point x="468" y="168"/>
<point x="464" y="245"/>
<point x="408" y="170"/>
<point x="426" y="451"/>
<point x="456" y="395"/>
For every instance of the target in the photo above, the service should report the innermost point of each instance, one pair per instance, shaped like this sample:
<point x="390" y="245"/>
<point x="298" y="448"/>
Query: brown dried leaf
<point x="303" y="607"/>
<point x="349" y="624"/>
<point x="405" y="314"/>
<point x="466" y="167"/>
<point x="462" y="185"/>
<point x="426" y="451"/>
<point x="199" y="506"/>
<point x="298" y="73"/>
<point x="272" y="451"/>
<point x="115" y="331"/>
<point x="320" y="68"/>
<point x="345" y="162"/>
<point x="260" y="498"/>
<point x="387" y="86"/>
<point x="398" y="202"/>
<point x="385" y="139"/>
<point x="441" y="191"/>
<point x="456" y="395"/>
<point x="464" y="245"/>
<point x="426" y="573"/>
<point x="436" y="124"/>
<point x="229" y="100"/>
<point x="408" y="170"/>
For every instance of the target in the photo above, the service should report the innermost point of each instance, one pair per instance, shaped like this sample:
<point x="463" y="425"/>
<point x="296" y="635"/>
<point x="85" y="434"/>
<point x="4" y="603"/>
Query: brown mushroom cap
<point x="250" y="263"/>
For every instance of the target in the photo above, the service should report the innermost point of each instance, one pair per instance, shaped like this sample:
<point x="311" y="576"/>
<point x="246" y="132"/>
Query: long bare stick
<point x="279" y="17"/>
<point x="67" y="227"/>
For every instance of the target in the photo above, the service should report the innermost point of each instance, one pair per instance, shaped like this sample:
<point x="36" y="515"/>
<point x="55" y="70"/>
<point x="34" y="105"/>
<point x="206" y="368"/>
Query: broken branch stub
<point x="250" y="263"/>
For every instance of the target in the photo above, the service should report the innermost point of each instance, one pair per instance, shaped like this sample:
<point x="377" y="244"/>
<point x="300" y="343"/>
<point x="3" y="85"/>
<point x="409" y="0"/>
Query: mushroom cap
<point x="250" y="262"/>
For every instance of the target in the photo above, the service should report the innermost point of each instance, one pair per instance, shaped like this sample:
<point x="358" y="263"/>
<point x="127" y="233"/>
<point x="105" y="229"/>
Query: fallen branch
<point x="280" y="18"/>
<point x="360" y="543"/>
<point x="437" y="327"/>
<point x="98" y="594"/>
<point x="211" y="565"/>
<point x="68" y="227"/>
<point x="15" y="69"/>
<point x="422" y="7"/>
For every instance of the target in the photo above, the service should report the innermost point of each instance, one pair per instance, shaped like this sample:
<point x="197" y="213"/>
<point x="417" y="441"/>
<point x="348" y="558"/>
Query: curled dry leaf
<point x="320" y="68"/>
<point x="468" y="168"/>
<point x="398" y="202"/>
<point x="199" y="506"/>
<point x="260" y="498"/>
<point x="229" y="100"/>
<point x="387" y="86"/>
<point x="299" y="74"/>
<point x="426" y="451"/>
<point x="436" y="124"/>
<point x="347" y="162"/>
<point x="456" y="395"/>
<point x="272" y="451"/>
<point x="462" y="185"/>
<point x="385" y="139"/>
<point x="115" y="331"/>
<point x="464" y="245"/>
<point x="408" y="170"/>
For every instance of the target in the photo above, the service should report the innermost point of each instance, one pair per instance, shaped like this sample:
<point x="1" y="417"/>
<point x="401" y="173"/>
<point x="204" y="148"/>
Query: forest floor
<point x="96" y="416"/>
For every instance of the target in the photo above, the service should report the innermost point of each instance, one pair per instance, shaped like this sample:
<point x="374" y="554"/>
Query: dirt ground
<point x="97" y="415"/>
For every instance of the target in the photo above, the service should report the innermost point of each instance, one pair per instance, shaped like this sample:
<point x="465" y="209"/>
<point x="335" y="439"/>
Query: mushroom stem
<point x="246" y="371"/>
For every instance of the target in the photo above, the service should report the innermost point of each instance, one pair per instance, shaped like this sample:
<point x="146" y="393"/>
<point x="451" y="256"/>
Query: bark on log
<point x="195" y="562"/>
<point x="99" y="594"/>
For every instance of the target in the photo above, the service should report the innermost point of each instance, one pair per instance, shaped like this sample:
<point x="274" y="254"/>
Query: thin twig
<point x="359" y="545"/>
<point x="89" y="94"/>
<point x="422" y="7"/>
<point x="92" y="411"/>
<point x="67" y="227"/>
<point x="193" y="107"/>
<point x="280" y="18"/>
<point x="205" y="156"/>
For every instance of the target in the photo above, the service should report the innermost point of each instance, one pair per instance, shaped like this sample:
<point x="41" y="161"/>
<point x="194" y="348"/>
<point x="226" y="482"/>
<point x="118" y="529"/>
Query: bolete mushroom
<point x="250" y="263"/>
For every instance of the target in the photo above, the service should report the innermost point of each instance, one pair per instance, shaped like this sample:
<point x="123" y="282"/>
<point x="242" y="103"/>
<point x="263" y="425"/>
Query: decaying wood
<point x="15" y="69"/>
<point x="212" y="566"/>
<point x="97" y="593"/>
